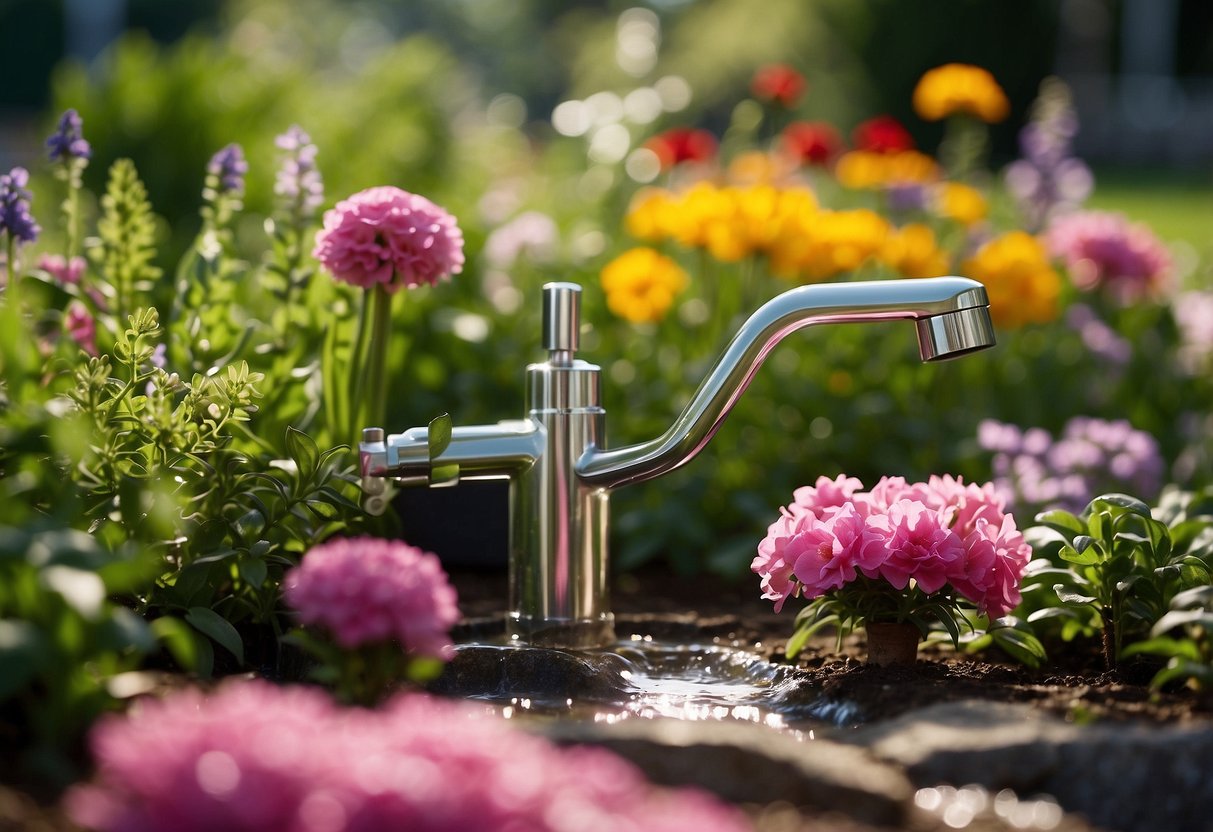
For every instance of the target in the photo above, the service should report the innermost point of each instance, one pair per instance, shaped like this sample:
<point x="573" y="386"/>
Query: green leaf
<point x="215" y="626"/>
<point x="1062" y="521"/>
<point x="179" y="639"/>
<point x="304" y="451"/>
<point x="1163" y="646"/>
<point x="1178" y="669"/>
<point x="1082" y="552"/>
<point x="250" y="525"/>
<point x="1046" y="613"/>
<point x="1126" y="502"/>
<point x="253" y="572"/>
<point x="1020" y="644"/>
<point x="1068" y="596"/>
<point x="439" y="435"/>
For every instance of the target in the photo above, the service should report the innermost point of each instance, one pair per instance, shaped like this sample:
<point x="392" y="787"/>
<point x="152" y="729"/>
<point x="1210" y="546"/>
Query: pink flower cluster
<point x="252" y="757"/>
<point x="366" y="589"/>
<point x="938" y="532"/>
<point x="389" y="237"/>
<point x="1103" y="250"/>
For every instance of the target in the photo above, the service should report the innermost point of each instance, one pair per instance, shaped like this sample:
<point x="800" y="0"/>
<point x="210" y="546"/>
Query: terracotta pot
<point x="892" y="642"/>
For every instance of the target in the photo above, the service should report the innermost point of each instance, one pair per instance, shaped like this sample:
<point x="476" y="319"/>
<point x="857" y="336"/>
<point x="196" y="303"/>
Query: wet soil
<point x="1072" y="684"/>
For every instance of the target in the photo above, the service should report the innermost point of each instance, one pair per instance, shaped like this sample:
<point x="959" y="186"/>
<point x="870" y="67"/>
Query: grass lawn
<point x="1177" y="205"/>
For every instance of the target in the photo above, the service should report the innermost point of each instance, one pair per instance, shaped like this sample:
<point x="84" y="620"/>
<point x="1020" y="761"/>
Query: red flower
<point x="811" y="142"/>
<point x="882" y="134"/>
<point x="779" y="84"/>
<point x="682" y="144"/>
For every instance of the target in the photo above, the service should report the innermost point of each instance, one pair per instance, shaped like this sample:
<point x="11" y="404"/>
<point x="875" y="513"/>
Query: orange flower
<point x="1022" y="285"/>
<point x="827" y="243"/>
<point x="960" y="88"/>
<point x="866" y="169"/>
<point x="641" y="285"/>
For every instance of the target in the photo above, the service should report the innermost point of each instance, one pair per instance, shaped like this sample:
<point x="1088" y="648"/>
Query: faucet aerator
<point x="954" y="334"/>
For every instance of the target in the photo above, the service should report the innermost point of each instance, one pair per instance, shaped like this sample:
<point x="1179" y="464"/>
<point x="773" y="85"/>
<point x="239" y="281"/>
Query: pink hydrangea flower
<point x="940" y="532"/>
<point x="389" y="237"/>
<point x="825" y="494"/>
<point x="64" y="270"/>
<point x="367" y="589"/>
<point x="774" y="564"/>
<point x="919" y="545"/>
<point x="1103" y="250"/>
<point x="252" y="757"/>
<point x="827" y="554"/>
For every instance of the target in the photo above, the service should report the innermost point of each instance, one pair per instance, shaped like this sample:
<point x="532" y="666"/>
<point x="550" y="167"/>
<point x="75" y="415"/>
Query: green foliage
<point x="1116" y="568"/>
<point x="127" y="236"/>
<point x="1184" y="636"/>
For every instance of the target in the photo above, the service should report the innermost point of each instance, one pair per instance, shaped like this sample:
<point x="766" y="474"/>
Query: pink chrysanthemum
<point x="252" y="757"/>
<point x="773" y="562"/>
<point x="366" y="589"/>
<point x="389" y="237"/>
<point x="1105" y="250"/>
<point x="920" y="546"/>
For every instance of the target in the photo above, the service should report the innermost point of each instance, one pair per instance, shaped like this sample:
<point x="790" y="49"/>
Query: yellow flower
<point x="651" y="215"/>
<point x="641" y="285"/>
<point x="1022" y="286"/>
<point x="757" y="168"/>
<point x="868" y="169"/>
<point x="960" y="88"/>
<point x="827" y="243"/>
<point x="913" y="252"/>
<point x="962" y="203"/>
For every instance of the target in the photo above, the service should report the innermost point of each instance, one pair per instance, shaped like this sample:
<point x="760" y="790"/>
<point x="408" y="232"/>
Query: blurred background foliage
<point x="454" y="100"/>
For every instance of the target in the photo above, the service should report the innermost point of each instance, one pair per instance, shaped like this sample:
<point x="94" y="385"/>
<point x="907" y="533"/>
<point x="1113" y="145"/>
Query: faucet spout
<point x="951" y="316"/>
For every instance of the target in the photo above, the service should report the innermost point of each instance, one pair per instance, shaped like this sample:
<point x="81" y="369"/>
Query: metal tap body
<point x="561" y="472"/>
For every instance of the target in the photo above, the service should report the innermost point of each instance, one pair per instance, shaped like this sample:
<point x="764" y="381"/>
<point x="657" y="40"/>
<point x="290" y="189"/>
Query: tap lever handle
<point x="561" y="320"/>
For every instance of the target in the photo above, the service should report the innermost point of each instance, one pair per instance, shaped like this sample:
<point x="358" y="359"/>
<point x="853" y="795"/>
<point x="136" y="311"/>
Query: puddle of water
<point x="642" y="679"/>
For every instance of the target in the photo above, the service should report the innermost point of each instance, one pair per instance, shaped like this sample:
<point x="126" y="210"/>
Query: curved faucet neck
<point x="771" y="323"/>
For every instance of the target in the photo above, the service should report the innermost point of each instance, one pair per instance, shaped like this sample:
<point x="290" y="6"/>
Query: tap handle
<point x="561" y="320"/>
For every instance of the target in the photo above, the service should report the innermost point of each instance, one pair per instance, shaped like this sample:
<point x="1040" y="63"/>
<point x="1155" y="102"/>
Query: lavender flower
<point x="1092" y="456"/>
<point x="228" y="168"/>
<point x="67" y="143"/>
<point x="1103" y="341"/>
<point x="1048" y="180"/>
<point x="15" y="217"/>
<point x="298" y="181"/>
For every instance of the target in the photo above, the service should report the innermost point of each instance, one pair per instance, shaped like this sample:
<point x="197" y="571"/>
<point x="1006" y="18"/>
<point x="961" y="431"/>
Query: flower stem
<point x="374" y="387"/>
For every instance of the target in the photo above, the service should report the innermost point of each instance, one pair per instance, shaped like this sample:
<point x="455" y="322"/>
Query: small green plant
<point x="1113" y="569"/>
<point x="1184" y="636"/>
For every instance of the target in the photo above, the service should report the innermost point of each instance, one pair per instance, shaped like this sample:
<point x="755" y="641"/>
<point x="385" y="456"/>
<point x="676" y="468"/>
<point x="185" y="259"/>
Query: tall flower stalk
<point x="299" y="189"/>
<point x="69" y="152"/>
<point x="383" y="239"/>
<point x="16" y="222"/>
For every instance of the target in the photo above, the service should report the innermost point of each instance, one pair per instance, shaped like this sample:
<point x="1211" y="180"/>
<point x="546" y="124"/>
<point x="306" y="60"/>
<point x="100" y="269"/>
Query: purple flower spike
<point x="229" y="167"/>
<point x="298" y="181"/>
<point x="15" y="217"/>
<point x="67" y="142"/>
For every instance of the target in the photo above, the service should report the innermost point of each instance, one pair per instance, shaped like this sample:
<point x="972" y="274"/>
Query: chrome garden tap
<point x="562" y="472"/>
